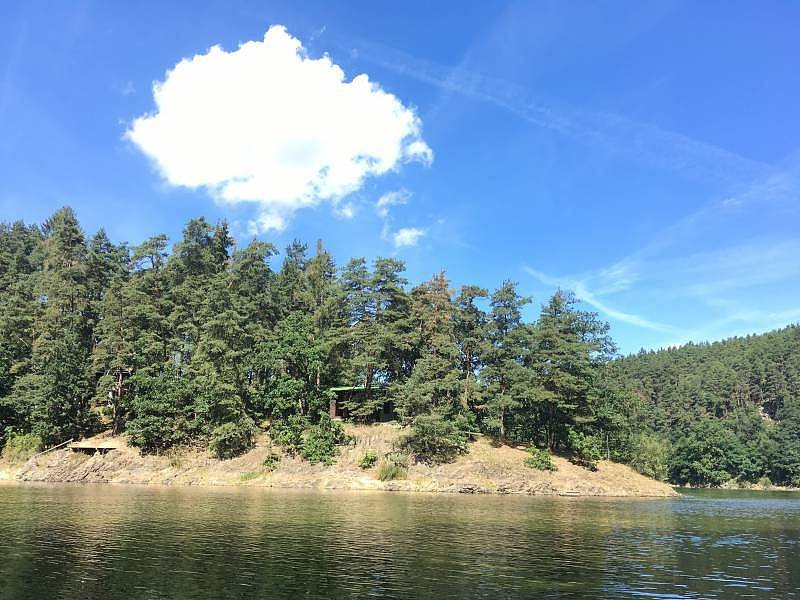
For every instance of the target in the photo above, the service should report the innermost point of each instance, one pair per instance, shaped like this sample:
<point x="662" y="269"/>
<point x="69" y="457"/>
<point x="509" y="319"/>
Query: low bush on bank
<point x="540" y="460"/>
<point x="434" y="440"/>
<point x="388" y="471"/>
<point x="176" y="457"/>
<point x="271" y="461"/>
<point x="368" y="460"/>
<point x="21" y="446"/>
<point x="586" y="449"/>
<point x="393" y="466"/>
<point x="232" y="439"/>
<point x="315" y="443"/>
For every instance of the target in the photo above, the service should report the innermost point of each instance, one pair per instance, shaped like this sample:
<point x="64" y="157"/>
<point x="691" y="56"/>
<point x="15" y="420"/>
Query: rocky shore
<point x="485" y="469"/>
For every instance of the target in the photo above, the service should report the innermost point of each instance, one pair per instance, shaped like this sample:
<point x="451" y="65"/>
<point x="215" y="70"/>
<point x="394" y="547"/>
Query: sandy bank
<point x="485" y="469"/>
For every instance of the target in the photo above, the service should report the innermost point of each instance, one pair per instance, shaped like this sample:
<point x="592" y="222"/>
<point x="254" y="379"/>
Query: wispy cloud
<point x="636" y="140"/>
<point x="390" y="199"/>
<point x="407" y="236"/>
<point x="578" y="286"/>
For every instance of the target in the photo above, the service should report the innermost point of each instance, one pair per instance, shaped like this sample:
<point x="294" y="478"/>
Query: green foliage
<point x="785" y="453"/>
<point x="388" y="471"/>
<point x="706" y="456"/>
<point x="271" y="461"/>
<point x="650" y="456"/>
<point x="20" y="447"/>
<point x="193" y="345"/>
<point x="586" y="449"/>
<point x="741" y="384"/>
<point x="435" y="440"/>
<point x="319" y="444"/>
<point x="249" y="475"/>
<point x="393" y="466"/>
<point x="289" y="433"/>
<point x="232" y="439"/>
<point x="368" y="460"/>
<point x="159" y="412"/>
<point x="540" y="459"/>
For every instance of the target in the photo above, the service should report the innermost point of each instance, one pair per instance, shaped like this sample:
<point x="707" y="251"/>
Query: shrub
<point x="650" y="456"/>
<point x="319" y="445"/>
<point x="389" y="471"/>
<point x="586" y="449"/>
<point x="289" y="433"/>
<point x="248" y="475"/>
<point x="232" y="439"/>
<point x="434" y="440"/>
<point x="21" y="446"/>
<point x="271" y="461"/>
<point x="368" y="460"/>
<point x="540" y="460"/>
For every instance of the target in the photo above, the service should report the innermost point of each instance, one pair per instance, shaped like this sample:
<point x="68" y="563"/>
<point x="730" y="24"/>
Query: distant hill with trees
<point x="724" y="410"/>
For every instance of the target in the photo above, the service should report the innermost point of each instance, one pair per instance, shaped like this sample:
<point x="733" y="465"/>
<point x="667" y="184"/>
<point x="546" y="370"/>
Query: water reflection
<point x="115" y="542"/>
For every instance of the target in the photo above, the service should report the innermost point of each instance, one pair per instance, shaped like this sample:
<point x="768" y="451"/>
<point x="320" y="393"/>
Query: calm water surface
<point x="110" y="542"/>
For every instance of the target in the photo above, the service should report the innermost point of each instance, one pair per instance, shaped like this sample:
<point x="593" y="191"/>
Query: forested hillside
<point x="726" y="410"/>
<point x="208" y="343"/>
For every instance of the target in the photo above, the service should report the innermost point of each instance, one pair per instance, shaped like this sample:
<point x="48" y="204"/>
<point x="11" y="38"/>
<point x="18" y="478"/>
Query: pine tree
<point x="20" y="261"/>
<point x="504" y="376"/>
<point x="435" y="384"/>
<point x="470" y="332"/>
<point x="568" y="346"/>
<point x="55" y="392"/>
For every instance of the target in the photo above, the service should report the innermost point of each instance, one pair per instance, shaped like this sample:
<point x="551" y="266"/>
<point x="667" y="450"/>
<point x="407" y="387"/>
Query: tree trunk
<point x="116" y="428"/>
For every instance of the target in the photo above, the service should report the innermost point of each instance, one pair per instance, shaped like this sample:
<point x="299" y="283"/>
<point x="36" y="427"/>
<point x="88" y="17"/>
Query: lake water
<point x="111" y="542"/>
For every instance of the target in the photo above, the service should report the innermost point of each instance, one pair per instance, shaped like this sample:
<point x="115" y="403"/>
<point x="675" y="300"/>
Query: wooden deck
<point x="98" y="444"/>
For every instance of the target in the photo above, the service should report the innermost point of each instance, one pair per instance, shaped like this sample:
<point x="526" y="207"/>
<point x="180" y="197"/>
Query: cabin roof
<point x="355" y="388"/>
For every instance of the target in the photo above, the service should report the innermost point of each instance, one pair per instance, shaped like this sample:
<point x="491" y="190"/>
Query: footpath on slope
<point x="485" y="469"/>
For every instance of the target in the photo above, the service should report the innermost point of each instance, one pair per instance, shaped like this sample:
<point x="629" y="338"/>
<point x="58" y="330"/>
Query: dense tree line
<point x="723" y="411"/>
<point x="208" y="343"/>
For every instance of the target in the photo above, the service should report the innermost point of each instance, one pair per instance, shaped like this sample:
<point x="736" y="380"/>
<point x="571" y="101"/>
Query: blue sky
<point x="644" y="155"/>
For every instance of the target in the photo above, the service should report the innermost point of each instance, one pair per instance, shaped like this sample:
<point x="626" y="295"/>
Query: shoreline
<point x="486" y="469"/>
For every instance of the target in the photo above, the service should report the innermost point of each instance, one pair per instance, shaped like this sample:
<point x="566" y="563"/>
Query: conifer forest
<point x="206" y="343"/>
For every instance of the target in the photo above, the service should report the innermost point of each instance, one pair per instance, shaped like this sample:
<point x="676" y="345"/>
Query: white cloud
<point x="267" y="124"/>
<point x="407" y="236"/>
<point x="346" y="210"/>
<point x="391" y="199"/>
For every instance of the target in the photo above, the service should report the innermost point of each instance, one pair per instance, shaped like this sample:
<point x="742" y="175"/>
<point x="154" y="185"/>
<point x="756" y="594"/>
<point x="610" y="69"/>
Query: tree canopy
<point x="210" y="342"/>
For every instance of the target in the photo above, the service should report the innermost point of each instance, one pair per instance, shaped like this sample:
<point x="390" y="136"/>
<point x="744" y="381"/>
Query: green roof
<point x="354" y="388"/>
<point x="347" y="388"/>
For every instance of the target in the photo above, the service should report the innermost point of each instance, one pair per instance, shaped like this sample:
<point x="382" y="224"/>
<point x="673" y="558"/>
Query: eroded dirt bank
<point x="486" y="469"/>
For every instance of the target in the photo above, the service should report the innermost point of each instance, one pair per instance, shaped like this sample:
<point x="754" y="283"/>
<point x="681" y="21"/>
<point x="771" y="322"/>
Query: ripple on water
<point x="118" y="542"/>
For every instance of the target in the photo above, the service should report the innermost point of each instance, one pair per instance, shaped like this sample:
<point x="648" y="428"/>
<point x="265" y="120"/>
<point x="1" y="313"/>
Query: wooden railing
<point x="70" y="440"/>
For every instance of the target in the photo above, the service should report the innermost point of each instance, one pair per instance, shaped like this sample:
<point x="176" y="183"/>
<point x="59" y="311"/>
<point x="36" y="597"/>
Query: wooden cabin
<point x="347" y="400"/>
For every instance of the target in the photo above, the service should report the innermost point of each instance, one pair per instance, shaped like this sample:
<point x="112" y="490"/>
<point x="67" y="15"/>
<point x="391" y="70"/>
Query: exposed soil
<point x="485" y="469"/>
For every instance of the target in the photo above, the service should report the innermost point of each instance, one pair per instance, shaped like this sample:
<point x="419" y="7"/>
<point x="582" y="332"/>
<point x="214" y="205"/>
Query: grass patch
<point x="249" y="475"/>
<point x="176" y="457"/>
<point x="388" y="471"/>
